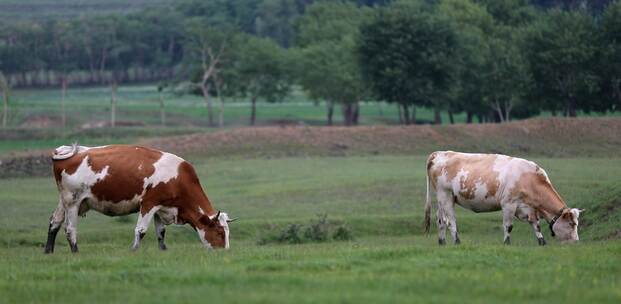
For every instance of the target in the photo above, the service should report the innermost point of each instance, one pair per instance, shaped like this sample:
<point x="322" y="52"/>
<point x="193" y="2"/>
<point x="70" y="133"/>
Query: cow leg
<point x="71" y="216"/>
<point x="56" y="220"/>
<point x="144" y="218"/>
<point x="452" y="222"/>
<point x="443" y="213"/>
<point x="160" y="231"/>
<point x="508" y="212"/>
<point x="533" y="219"/>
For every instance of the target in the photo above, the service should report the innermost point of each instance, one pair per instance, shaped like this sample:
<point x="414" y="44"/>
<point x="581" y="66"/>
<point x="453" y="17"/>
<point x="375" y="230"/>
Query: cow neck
<point x="553" y="205"/>
<point x="207" y="207"/>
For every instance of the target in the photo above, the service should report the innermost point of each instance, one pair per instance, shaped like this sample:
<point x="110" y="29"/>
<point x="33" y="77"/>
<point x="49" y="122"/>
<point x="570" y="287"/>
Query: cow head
<point x="217" y="230"/>
<point x="565" y="228"/>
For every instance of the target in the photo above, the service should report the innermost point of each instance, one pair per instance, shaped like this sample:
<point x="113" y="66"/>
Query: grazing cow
<point x="119" y="180"/>
<point x="492" y="182"/>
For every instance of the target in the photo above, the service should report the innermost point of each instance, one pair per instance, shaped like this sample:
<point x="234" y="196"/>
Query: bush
<point x="317" y="231"/>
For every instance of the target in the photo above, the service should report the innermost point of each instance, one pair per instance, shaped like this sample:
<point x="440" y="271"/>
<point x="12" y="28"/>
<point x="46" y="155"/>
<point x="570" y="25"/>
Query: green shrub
<point x="316" y="231"/>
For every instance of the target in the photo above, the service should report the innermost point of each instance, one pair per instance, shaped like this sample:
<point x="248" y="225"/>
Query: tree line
<point x="494" y="60"/>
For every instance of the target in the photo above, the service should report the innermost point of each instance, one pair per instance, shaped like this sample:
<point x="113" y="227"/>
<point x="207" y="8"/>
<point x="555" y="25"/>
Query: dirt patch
<point x="36" y="164"/>
<point x="555" y="137"/>
<point x="552" y="137"/>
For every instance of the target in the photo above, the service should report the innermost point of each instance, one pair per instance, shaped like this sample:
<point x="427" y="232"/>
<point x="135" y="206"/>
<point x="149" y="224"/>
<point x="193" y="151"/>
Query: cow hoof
<point x="542" y="242"/>
<point x="457" y="241"/>
<point x="441" y="242"/>
<point x="74" y="248"/>
<point x="507" y="241"/>
<point x="163" y="247"/>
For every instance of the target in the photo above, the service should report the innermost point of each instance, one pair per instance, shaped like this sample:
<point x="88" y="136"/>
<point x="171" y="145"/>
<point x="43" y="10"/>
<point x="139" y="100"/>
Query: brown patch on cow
<point x="480" y="170"/>
<point x="124" y="181"/>
<point x="534" y="189"/>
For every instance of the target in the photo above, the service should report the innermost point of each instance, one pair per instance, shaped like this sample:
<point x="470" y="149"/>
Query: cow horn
<point x="232" y="220"/>
<point x="217" y="215"/>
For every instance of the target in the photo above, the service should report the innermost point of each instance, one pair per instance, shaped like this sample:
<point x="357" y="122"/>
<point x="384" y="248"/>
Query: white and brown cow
<point x="492" y="182"/>
<point x="119" y="180"/>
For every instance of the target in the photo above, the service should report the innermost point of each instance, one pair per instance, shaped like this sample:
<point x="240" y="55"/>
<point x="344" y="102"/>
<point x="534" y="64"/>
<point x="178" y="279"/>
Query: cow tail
<point x="427" y="223"/>
<point x="65" y="152"/>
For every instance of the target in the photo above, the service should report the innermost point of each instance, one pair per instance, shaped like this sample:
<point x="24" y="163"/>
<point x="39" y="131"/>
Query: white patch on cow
<point x="510" y="170"/>
<point x="201" y="210"/>
<point x="224" y="222"/>
<point x="480" y="190"/>
<point x="201" y="235"/>
<point x="123" y="207"/>
<point x="140" y="167"/>
<point x="168" y="215"/>
<point x="77" y="186"/>
<point x="456" y="183"/>
<point x="166" y="168"/>
<point x="440" y="160"/>
<point x="144" y="220"/>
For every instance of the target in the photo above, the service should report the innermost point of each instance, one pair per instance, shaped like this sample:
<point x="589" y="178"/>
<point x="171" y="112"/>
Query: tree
<point x="205" y="47"/>
<point x="561" y="51"/>
<point x="328" y="65"/>
<point x="475" y="25"/>
<point x="506" y="78"/>
<point x="609" y="66"/>
<point x="260" y="71"/>
<point x="408" y="57"/>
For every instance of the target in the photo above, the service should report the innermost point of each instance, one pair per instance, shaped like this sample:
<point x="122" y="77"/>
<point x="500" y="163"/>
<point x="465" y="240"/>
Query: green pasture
<point x="379" y="198"/>
<point x="140" y="104"/>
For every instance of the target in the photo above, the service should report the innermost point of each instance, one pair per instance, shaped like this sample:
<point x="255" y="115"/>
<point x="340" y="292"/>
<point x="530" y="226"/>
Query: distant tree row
<point x="491" y="59"/>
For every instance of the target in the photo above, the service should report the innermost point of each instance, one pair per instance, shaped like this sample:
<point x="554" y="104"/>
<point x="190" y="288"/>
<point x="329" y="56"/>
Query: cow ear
<point x="205" y="220"/>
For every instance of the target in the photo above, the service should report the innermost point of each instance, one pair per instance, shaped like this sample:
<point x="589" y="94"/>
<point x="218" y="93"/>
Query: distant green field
<point x="139" y="104"/>
<point x="380" y="199"/>
<point x="40" y="9"/>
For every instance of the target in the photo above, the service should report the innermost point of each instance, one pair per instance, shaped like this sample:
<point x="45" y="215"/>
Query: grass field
<point x="19" y="10"/>
<point x="139" y="103"/>
<point x="379" y="198"/>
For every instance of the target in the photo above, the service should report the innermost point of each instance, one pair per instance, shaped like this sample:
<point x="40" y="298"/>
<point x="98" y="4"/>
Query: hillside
<point x="550" y="137"/>
<point x="554" y="137"/>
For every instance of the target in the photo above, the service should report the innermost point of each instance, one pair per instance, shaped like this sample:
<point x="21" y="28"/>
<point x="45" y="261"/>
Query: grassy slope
<point x="379" y="198"/>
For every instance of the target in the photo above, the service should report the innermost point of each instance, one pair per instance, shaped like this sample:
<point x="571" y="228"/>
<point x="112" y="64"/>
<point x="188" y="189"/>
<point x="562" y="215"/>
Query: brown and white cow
<point x="492" y="182"/>
<point x="119" y="180"/>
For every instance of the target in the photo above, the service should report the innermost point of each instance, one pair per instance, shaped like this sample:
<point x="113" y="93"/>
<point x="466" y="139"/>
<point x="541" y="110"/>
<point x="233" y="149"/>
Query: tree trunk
<point x="451" y="118"/>
<point x="437" y="117"/>
<point x="346" y="110"/>
<point x="221" y="110"/>
<point x="205" y="90"/>
<point x="355" y="113"/>
<point x="381" y="109"/>
<point x="162" y="112"/>
<point x="400" y="114"/>
<point x="480" y="118"/>
<point x="330" y="106"/>
<point x="113" y="104"/>
<point x="553" y="112"/>
<point x="406" y="114"/>
<point x="498" y="109"/>
<point x="571" y="106"/>
<point x="469" y="117"/>
<point x="64" y="81"/>
<point x="253" y="111"/>
<point x="413" y="115"/>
